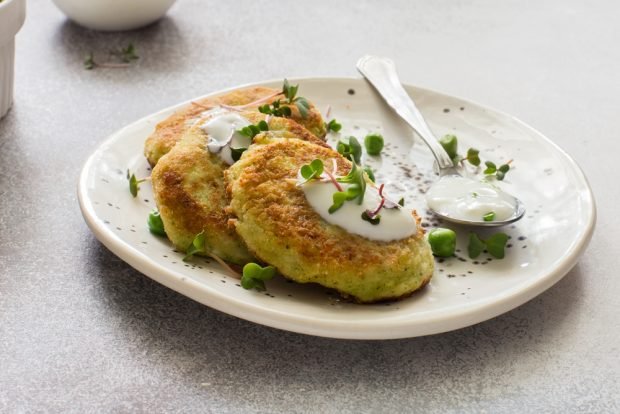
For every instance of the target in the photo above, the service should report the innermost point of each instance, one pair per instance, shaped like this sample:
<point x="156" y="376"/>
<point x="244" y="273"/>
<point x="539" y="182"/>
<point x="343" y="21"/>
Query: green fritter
<point x="279" y="227"/>
<point x="189" y="190"/>
<point x="169" y="131"/>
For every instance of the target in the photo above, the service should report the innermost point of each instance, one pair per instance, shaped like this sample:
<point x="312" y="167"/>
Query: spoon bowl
<point x="465" y="198"/>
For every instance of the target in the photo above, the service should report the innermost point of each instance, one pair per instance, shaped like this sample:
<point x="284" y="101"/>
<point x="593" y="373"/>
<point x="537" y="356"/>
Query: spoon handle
<point x="381" y="73"/>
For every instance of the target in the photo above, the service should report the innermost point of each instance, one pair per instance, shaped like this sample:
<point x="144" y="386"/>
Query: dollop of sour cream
<point x="396" y="223"/>
<point x="222" y="129"/>
<point x="467" y="199"/>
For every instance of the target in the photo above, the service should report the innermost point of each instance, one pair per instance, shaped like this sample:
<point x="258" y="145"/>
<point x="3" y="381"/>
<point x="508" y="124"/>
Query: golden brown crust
<point x="281" y="228"/>
<point x="189" y="190"/>
<point x="169" y="131"/>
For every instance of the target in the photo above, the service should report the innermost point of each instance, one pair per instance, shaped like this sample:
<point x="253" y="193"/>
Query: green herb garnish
<point x="197" y="246"/>
<point x="290" y="93"/>
<point x="369" y="173"/>
<point x="495" y="245"/>
<point x="374" y="220"/>
<point x="134" y="184"/>
<point x="128" y="54"/>
<point x="472" y="157"/>
<point x="498" y="172"/>
<point x="254" y="276"/>
<point x="155" y="223"/>
<point x="401" y="202"/>
<point x="350" y="149"/>
<point x="235" y="153"/>
<point x="89" y="62"/>
<point x="121" y="58"/>
<point x="333" y="125"/>
<point x="312" y="170"/>
<point x="251" y="131"/>
<point x="373" y="144"/>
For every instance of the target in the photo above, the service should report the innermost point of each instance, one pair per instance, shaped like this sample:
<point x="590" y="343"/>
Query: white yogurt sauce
<point x="468" y="199"/>
<point x="395" y="224"/>
<point x="222" y="131"/>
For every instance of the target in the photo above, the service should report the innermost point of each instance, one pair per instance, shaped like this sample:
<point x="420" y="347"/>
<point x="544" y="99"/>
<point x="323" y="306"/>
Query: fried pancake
<point x="169" y="131"/>
<point x="188" y="185"/>
<point x="279" y="227"/>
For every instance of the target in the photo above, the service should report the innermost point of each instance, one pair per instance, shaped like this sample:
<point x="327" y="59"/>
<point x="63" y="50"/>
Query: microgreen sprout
<point x="373" y="143"/>
<point x="251" y="131"/>
<point x="495" y="245"/>
<point x="369" y="173"/>
<point x="490" y="216"/>
<point x="442" y="241"/>
<point x="121" y="58"/>
<point x="355" y="177"/>
<point x="197" y="246"/>
<point x="134" y="184"/>
<point x="350" y="149"/>
<point x="155" y="223"/>
<point x="254" y="276"/>
<point x="127" y="54"/>
<point x="401" y="202"/>
<point x="472" y="157"/>
<point x="374" y="220"/>
<point x="498" y="172"/>
<point x="235" y="153"/>
<point x="312" y="171"/>
<point x="281" y="108"/>
<point x="333" y="125"/>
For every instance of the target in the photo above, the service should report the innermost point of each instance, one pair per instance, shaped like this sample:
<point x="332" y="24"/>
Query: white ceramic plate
<point x="543" y="247"/>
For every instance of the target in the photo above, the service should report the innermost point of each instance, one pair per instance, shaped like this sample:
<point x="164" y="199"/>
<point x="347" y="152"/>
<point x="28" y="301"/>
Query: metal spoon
<point x="381" y="73"/>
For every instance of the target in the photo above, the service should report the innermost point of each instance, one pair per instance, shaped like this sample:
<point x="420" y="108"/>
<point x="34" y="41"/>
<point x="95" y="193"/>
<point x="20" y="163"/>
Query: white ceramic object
<point x="12" y="16"/>
<point x="114" y="15"/>
<point x="544" y="245"/>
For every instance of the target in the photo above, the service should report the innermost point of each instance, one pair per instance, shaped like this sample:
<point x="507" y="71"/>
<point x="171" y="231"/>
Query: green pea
<point x="442" y="241"/>
<point x="373" y="144"/>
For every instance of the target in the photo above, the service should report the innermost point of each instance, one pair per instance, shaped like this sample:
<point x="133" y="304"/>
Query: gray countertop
<point x="81" y="331"/>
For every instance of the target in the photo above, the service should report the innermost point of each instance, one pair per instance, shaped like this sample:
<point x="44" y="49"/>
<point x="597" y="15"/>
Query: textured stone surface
<point x="81" y="331"/>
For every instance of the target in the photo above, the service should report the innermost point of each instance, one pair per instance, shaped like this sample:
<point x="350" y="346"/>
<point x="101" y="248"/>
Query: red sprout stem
<point x="333" y="179"/>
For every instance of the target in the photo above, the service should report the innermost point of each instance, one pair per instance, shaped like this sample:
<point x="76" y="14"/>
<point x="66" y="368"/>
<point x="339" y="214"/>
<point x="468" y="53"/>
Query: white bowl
<point x="113" y="15"/>
<point x="12" y="16"/>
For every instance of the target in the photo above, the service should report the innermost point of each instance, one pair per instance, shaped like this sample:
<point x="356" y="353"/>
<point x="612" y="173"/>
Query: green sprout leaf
<point x="303" y="106"/>
<point x="372" y="220"/>
<point x="312" y="170"/>
<point x="401" y="202"/>
<point x="333" y="125"/>
<point x="358" y="184"/>
<point x="89" y="62"/>
<point x="235" y="153"/>
<point x="369" y="173"/>
<point x="156" y="224"/>
<point x="254" y="276"/>
<point x="197" y="246"/>
<point x="251" y="131"/>
<point x="475" y="246"/>
<point x="491" y="168"/>
<point x="351" y="149"/>
<point x="338" y="198"/>
<point x="128" y="53"/>
<point x="496" y="245"/>
<point x="134" y="184"/>
<point x="473" y="157"/>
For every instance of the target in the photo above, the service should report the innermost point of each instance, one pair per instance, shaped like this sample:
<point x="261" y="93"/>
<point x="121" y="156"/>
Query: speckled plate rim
<point x="441" y="321"/>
